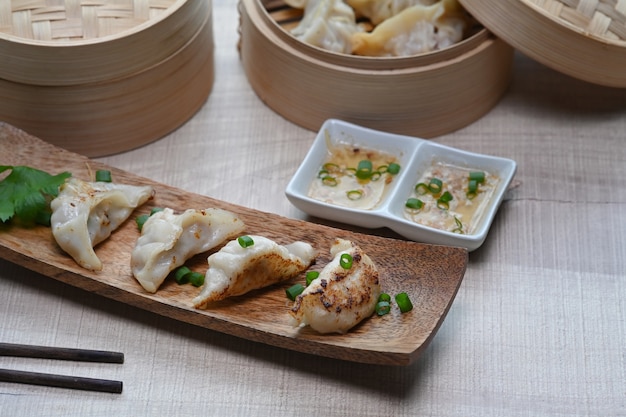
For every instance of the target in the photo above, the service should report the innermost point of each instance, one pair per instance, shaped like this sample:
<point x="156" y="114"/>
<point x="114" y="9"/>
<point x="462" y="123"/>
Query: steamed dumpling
<point x="414" y="30"/>
<point x="86" y="213"/>
<point x="327" y="24"/>
<point x="339" y="299"/>
<point x="236" y="270"/>
<point x="378" y="10"/>
<point x="168" y="240"/>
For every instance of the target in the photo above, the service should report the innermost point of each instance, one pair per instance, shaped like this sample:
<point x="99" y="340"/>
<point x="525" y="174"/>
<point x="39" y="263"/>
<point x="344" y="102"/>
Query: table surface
<point x="538" y="326"/>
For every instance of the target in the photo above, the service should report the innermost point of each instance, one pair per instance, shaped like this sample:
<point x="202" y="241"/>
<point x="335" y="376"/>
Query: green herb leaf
<point x="26" y="192"/>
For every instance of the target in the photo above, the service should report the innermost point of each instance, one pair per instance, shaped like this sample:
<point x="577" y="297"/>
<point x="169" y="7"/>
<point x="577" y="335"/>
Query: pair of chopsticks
<point x="60" y="381"/>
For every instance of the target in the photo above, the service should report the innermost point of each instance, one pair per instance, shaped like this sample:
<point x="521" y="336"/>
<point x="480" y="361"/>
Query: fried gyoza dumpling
<point x="237" y="269"/>
<point x="378" y="10"/>
<point x="339" y="298"/>
<point x="327" y="24"/>
<point x="86" y="213"/>
<point x="168" y="240"/>
<point x="417" y="29"/>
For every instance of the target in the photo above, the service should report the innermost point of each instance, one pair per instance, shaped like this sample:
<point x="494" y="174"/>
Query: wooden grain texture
<point x="585" y="39"/>
<point x="430" y="274"/>
<point x="425" y="95"/>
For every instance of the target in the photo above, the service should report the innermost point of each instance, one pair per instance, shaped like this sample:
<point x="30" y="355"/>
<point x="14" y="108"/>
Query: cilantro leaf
<point x="26" y="192"/>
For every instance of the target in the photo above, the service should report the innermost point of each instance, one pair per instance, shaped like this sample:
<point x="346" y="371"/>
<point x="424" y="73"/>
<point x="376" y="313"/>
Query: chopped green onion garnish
<point x="382" y="308"/>
<point x="181" y="275"/>
<point x="322" y="173"/>
<point x="478" y="176"/>
<point x="472" y="189"/>
<point x="421" y="188"/>
<point x="375" y="176"/>
<point x="459" y="226"/>
<point x="294" y="291"/>
<point x="446" y="197"/>
<point x="472" y="186"/>
<point x="245" y="241"/>
<point x="384" y="297"/>
<point x="140" y="220"/>
<point x="155" y="210"/>
<point x="196" y="279"/>
<point x="393" y="168"/>
<point x="345" y="261"/>
<point x="435" y="185"/>
<point x="310" y="276"/>
<point x="103" y="175"/>
<point x="414" y="203"/>
<point x="354" y="194"/>
<point x="330" y="181"/>
<point x="444" y="201"/>
<point x="364" y="169"/>
<point x="404" y="302"/>
<point x="330" y="167"/>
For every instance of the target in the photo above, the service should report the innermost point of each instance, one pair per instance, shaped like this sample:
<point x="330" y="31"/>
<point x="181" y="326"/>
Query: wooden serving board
<point x="431" y="275"/>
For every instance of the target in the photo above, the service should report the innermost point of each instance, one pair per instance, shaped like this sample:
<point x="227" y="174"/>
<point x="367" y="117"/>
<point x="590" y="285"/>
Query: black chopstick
<point x="68" y="354"/>
<point x="61" y="381"/>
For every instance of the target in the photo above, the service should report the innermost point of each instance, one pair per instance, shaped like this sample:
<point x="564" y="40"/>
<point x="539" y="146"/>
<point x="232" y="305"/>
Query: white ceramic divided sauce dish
<point x="414" y="156"/>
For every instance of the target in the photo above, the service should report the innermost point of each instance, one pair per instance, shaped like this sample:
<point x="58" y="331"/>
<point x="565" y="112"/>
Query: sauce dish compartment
<point x="414" y="156"/>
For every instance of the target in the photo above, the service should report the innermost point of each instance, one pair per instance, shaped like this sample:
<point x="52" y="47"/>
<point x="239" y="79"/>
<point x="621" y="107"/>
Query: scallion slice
<point x="329" y="181"/>
<point x="404" y="302"/>
<point x="393" y="168"/>
<point x="443" y="202"/>
<point x="435" y="185"/>
<point x="364" y="169"/>
<point x="459" y="226"/>
<point x="345" y="260"/>
<point x="311" y="276"/>
<point x="103" y="175"/>
<point x="421" y="188"/>
<point x="478" y="176"/>
<point x="245" y="241"/>
<point x="384" y="297"/>
<point x="155" y="210"/>
<point x="382" y="308"/>
<point x="181" y="275"/>
<point x="140" y="220"/>
<point x="414" y="204"/>
<point x="354" y="194"/>
<point x="294" y="291"/>
<point x="196" y="279"/>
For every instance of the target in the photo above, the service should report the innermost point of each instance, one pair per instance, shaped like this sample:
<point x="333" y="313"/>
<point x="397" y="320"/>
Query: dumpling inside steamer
<point x="327" y="24"/>
<point x="379" y="10"/>
<point x="414" y="30"/>
<point x="86" y="213"/>
<point x="168" y="240"/>
<point x="400" y="27"/>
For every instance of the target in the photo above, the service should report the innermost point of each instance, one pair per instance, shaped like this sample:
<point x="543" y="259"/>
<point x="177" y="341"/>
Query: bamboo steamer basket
<point x="426" y="95"/>
<point x="99" y="77"/>
<point x="585" y="39"/>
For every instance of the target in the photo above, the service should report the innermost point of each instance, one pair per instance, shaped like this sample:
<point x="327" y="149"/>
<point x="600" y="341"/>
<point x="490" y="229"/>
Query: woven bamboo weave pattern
<point x="602" y="18"/>
<point x="67" y="20"/>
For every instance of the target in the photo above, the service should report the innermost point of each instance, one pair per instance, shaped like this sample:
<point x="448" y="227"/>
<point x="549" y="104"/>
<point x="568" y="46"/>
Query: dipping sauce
<point x="443" y="198"/>
<point x="354" y="177"/>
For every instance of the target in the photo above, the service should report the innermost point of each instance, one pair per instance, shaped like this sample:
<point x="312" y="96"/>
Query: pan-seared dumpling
<point x="378" y="10"/>
<point x="414" y="30"/>
<point x="237" y="269"/>
<point x="339" y="298"/>
<point x="86" y="213"/>
<point x="168" y="240"/>
<point x="327" y="24"/>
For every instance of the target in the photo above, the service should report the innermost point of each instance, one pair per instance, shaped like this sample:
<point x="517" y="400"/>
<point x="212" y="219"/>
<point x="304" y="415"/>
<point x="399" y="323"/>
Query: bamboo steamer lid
<point x="585" y="39"/>
<point x="99" y="77"/>
<point x="425" y="95"/>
